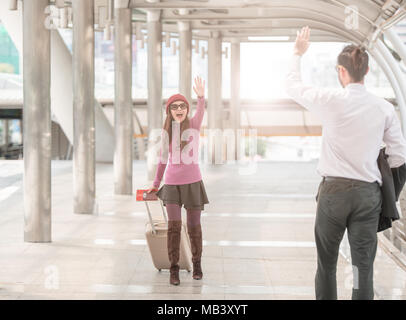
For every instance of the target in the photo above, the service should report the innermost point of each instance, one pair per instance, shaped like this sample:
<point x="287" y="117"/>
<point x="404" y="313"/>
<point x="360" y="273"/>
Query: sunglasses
<point x="174" y="106"/>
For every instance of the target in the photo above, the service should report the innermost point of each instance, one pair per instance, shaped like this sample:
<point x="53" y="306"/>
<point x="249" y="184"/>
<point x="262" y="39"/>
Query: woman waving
<point x="183" y="180"/>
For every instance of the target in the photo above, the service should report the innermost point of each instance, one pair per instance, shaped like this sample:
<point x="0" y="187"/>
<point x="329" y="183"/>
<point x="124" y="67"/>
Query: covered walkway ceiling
<point x="358" y="21"/>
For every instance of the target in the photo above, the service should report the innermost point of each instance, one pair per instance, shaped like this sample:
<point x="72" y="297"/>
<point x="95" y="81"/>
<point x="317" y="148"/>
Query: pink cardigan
<point x="179" y="172"/>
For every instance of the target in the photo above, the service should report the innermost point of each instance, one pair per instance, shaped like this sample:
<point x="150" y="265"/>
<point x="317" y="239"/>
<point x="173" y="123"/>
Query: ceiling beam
<point x="289" y="27"/>
<point x="380" y="24"/>
<point x="209" y="4"/>
<point x="283" y="26"/>
<point x="276" y="17"/>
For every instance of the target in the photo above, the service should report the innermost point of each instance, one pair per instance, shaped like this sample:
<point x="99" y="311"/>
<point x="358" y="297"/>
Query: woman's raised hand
<point x="199" y="87"/>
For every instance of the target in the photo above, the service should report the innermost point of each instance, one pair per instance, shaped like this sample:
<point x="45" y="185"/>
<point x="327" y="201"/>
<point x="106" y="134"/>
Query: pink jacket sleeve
<point x="163" y="160"/>
<point x="196" y="120"/>
<point x="159" y="174"/>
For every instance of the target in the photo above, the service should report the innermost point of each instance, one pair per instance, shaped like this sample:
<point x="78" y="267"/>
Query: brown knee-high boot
<point x="196" y="241"/>
<point x="174" y="228"/>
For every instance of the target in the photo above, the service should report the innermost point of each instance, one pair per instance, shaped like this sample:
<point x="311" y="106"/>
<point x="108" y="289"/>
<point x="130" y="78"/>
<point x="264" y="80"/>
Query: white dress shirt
<point x="355" y="123"/>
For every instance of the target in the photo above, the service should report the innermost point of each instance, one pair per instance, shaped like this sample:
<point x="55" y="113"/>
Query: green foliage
<point x="261" y="146"/>
<point x="9" y="58"/>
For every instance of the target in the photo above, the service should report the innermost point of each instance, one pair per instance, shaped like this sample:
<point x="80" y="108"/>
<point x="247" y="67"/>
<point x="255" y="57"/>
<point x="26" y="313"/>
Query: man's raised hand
<point x="302" y="41"/>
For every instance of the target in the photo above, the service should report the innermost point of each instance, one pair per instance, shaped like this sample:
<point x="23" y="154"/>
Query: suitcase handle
<point x="150" y="216"/>
<point x="142" y="195"/>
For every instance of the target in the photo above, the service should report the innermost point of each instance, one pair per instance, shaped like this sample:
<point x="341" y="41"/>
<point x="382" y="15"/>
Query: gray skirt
<point x="191" y="195"/>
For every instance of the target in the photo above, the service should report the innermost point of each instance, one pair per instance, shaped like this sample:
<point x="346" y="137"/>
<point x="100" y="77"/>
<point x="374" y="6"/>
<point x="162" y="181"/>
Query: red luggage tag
<point x="142" y="195"/>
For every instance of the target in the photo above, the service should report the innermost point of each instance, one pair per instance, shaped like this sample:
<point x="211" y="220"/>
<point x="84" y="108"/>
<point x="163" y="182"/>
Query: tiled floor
<point x="258" y="240"/>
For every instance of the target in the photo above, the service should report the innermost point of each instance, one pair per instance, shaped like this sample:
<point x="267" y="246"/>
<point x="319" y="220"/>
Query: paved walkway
<point x="258" y="231"/>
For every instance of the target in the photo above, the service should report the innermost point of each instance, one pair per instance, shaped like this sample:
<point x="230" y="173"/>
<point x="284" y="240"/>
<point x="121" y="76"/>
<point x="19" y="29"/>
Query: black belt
<point x="346" y="179"/>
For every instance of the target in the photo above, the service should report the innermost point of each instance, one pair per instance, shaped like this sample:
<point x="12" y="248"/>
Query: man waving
<point x="355" y="125"/>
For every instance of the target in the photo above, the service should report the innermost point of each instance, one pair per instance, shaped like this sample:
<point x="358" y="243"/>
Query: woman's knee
<point x="193" y="217"/>
<point x="174" y="211"/>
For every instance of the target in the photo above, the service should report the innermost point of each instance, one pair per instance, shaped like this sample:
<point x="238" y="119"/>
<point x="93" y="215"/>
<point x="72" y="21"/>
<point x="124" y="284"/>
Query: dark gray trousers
<point x="353" y="205"/>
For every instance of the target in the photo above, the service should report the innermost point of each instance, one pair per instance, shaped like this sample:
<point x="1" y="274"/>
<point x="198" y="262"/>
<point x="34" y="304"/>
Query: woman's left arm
<point x="198" y="88"/>
<point x="199" y="114"/>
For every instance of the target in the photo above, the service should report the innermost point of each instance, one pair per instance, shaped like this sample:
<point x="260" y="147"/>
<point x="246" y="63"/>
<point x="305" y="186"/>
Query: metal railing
<point x="397" y="234"/>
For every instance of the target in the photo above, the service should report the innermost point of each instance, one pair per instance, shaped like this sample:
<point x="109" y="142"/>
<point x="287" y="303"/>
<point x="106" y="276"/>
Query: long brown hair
<point x="185" y="124"/>
<point x="355" y="60"/>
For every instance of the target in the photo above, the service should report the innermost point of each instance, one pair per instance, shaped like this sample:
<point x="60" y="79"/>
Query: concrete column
<point x="235" y="108"/>
<point x="155" y="105"/>
<point x="5" y="132"/>
<point x="37" y="123"/>
<point x="123" y="118"/>
<point x="214" y="105"/>
<point x="83" y="107"/>
<point x="185" y="60"/>
<point x="22" y="129"/>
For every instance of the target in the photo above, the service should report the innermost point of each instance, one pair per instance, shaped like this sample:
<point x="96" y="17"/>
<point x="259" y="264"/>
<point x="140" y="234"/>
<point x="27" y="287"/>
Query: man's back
<point x="355" y="122"/>
<point x="354" y="125"/>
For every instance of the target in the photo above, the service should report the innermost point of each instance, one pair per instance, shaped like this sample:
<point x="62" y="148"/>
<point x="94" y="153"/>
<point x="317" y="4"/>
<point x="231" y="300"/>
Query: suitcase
<point x="156" y="236"/>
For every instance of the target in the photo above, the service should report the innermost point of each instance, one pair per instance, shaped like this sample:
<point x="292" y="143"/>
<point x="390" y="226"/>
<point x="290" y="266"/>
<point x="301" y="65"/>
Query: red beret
<point x="176" y="97"/>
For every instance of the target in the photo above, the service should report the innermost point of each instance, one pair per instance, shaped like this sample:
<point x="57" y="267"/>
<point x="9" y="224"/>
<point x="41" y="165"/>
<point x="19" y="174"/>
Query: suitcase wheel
<point x="159" y="270"/>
